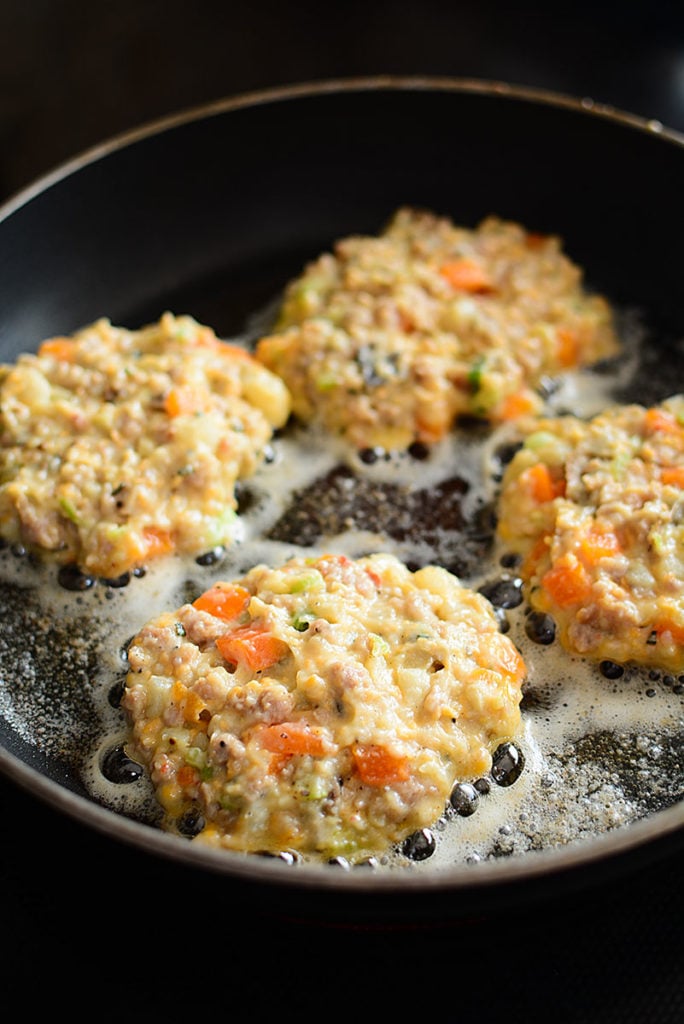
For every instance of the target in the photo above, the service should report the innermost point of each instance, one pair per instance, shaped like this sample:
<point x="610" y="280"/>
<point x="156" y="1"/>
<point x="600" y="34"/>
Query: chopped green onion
<point x="326" y="381"/>
<point x="306" y="581"/>
<point x="378" y="645"/>
<point x="475" y="374"/>
<point x="196" y="757"/>
<point x="302" y="621"/>
<point x="68" y="510"/>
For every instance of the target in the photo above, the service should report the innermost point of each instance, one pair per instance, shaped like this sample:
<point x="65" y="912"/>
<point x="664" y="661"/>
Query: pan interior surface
<point x="211" y="215"/>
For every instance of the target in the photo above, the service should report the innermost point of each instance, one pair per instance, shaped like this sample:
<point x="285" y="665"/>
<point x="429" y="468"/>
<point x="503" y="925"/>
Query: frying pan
<point x="211" y="212"/>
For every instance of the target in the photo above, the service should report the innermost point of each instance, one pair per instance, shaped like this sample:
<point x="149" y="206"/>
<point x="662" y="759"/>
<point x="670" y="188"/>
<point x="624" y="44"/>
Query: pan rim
<point x="474" y="86"/>
<point x="531" y="866"/>
<point x="536" y="865"/>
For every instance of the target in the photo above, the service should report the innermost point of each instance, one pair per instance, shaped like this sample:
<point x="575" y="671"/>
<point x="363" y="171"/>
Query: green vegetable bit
<point x="302" y="621"/>
<point x="475" y="374"/>
<point x="68" y="510"/>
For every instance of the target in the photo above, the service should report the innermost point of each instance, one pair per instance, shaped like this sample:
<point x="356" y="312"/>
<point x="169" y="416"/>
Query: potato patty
<point x="390" y="339"/>
<point x="596" y="509"/>
<point x="117" y="446"/>
<point x="326" y="706"/>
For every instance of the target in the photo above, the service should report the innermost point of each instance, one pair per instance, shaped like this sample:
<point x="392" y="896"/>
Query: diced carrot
<point x="466" y="275"/>
<point x="182" y="402"/>
<point x="673" y="475"/>
<point x="231" y="351"/>
<point x="187" y="775"/>
<point x="656" y="419"/>
<point x="518" y="404"/>
<point x="374" y="577"/>
<point x="406" y="322"/>
<point x="178" y="691"/>
<point x="63" y="349"/>
<point x="378" y="766"/>
<point x="295" y="738"/>
<point x="223" y="600"/>
<point x="596" y="544"/>
<point x="254" y="645"/>
<point x="568" y="347"/>
<point x="504" y="657"/>
<point x="538" y="551"/>
<point x="540" y="484"/>
<point x="153" y="542"/>
<point x="188" y="701"/>
<point x="157" y="542"/>
<point x="431" y="430"/>
<point x="278" y="762"/>
<point x="673" y="628"/>
<point x="567" y="582"/>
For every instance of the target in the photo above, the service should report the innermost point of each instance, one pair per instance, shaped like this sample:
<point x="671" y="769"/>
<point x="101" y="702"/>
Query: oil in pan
<point x="599" y="746"/>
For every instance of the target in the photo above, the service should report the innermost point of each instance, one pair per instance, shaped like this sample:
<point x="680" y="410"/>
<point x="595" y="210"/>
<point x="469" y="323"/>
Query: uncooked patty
<point x="596" y="510"/>
<point x="119" y="446"/>
<point x="326" y="706"/>
<point x="389" y="339"/>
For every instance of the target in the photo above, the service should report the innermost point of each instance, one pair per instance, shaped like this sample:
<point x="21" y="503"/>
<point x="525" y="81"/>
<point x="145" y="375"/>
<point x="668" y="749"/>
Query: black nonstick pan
<point x="210" y="213"/>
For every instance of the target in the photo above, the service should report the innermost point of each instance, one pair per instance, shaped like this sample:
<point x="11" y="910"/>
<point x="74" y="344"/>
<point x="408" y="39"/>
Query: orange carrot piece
<point x="63" y="349"/>
<point x="596" y="544"/>
<point x="188" y="701"/>
<point x="182" y="402"/>
<point x="466" y="275"/>
<point x="540" y="484"/>
<point x="660" y="420"/>
<point x="294" y="738"/>
<point x="157" y="542"/>
<point x="534" y="557"/>
<point x="187" y="775"/>
<point x="407" y="322"/>
<point x="520" y="403"/>
<point x="568" y="347"/>
<point x="430" y="430"/>
<point x="378" y="766"/>
<point x="153" y="542"/>
<point x="673" y="628"/>
<point x="567" y="582"/>
<point x="505" y="658"/>
<point x="673" y="475"/>
<point x="253" y="645"/>
<point x="224" y="601"/>
<point x="231" y="351"/>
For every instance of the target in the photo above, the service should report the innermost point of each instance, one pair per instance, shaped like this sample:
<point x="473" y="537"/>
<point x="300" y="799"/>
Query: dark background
<point x="74" y="73"/>
<point x="92" y="926"/>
